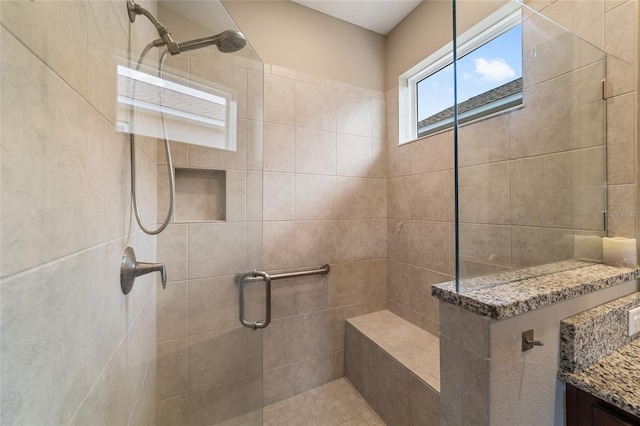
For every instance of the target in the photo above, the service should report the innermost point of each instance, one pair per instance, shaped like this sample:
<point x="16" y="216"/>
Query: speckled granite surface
<point x="615" y="378"/>
<point x="590" y="335"/>
<point x="555" y="283"/>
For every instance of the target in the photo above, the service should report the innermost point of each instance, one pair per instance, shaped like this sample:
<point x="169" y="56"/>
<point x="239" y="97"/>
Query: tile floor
<point x="335" y="403"/>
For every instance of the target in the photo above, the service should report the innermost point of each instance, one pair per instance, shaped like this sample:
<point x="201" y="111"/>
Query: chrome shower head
<point x="227" y="42"/>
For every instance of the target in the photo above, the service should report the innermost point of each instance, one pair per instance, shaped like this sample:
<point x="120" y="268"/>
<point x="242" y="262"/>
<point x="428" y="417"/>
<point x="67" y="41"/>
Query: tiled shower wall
<point x="486" y="146"/>
<point x="75" y="350"/>
<point x="325" y="201"/>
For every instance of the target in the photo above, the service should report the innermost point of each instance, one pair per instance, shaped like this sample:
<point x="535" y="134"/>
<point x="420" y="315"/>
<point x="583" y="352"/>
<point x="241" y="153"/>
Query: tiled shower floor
<point x="335" y="403"/>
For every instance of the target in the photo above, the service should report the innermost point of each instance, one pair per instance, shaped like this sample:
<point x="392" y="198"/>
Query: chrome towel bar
<point x="323" y="270"/>
<point x="267" y="278"/>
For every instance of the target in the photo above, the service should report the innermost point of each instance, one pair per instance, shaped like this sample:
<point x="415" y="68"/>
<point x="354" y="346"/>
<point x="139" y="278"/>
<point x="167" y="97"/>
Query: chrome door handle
<point x="240" y="280"/>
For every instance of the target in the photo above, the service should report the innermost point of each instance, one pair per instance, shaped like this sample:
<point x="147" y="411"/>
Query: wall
<point x="324" y="197"/>
<point x="75" y="350"/>
<point x="324" y="202"/>
<point x="287" y="34"/>
<point x="505" y="225"/>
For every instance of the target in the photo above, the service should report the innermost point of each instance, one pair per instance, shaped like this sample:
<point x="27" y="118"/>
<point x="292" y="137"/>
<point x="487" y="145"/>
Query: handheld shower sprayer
<point x="226" y="42"/>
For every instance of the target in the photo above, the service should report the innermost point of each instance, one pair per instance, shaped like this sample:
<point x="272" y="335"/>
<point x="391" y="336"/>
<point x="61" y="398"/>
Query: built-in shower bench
<point x="395" y="365"/>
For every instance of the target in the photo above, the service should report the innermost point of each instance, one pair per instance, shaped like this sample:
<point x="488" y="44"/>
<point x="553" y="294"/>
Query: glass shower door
<point x="209" y="365"/>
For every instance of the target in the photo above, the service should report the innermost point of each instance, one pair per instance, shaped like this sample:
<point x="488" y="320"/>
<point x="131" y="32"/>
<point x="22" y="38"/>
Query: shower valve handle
<point x="130" y="268"/>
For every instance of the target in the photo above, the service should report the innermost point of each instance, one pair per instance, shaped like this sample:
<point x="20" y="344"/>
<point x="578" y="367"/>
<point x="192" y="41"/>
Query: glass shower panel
<point x="217" y="225"/>
<point x="531" y="179"/>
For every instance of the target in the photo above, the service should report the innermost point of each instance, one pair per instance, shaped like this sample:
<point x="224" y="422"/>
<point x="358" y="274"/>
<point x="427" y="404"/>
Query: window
<point x="489" y="78"/>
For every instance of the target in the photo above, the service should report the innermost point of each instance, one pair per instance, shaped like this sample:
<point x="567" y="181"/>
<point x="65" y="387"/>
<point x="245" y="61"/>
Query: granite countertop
<point x="515" y="292"/>
<point x="615" y="378"/>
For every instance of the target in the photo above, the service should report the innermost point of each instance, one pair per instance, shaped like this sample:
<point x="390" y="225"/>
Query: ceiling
<point x="380" y="16"/>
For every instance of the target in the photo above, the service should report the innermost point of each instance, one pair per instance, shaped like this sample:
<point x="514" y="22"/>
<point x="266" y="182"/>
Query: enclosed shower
<point x="255" y="154"/>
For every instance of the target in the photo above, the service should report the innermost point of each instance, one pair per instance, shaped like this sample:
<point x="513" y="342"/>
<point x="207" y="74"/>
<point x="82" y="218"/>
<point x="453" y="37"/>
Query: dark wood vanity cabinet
<point x="584" y="409"/>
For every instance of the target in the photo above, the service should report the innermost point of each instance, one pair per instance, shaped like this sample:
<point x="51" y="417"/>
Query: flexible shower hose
<point x="132" y="140"/>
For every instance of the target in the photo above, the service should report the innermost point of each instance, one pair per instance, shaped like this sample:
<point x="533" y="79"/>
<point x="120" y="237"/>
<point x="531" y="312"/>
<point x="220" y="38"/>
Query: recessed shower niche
<point x="201" y="195"/>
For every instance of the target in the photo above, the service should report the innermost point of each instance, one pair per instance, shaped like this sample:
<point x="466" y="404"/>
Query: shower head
<point x="227" y="42"/>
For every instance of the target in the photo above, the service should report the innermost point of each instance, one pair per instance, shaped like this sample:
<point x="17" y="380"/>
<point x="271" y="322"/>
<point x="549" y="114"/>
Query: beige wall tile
<point x="398" y="286"/>
<point x="255" y="93"/>
<point x="231" y="79"/>
<point x="278" y="245"/>
<point x="279" y="341"/>
<point x="278" y="148"/>
<point x="171" y="412"/>
<point x="421" y="300"/>
<point x="622" y="211"/>
<point x="525" y="242"/>
<point x="107" y="402"/>
<point x="434" y="256"/>
<point x="399" y="198"/>
<point x="236" y="191"/>
<point x="172" y="251"/>
<point x="254" y="196"/>
<point x="212" y="158"/>
<point x="278" y="100"/>
<point x="172" y="369"/>
<point x="432" y="153"/>
<point x="378" y="166"/>
<point x="485" y="244"/>
<point x="379" y="239"/>
<point x="400" y="158"/>
<point x="107" y="324"/>
<point x="351" y="283"/>
<point x="620" y="140"/>
<point x="67" y="55"/>
<point x="213" y="304"/>
<point x="398" y="242"/>
<point x="314" y="197"/>
<point x="278" y="196"/>
<point x="432" y="196"/>
<point x="379" y="198"/>
<point x="484" y="193"/>
<point x="378" y="119"/>
<point x="585" y="20"/>
<point x="354" y="155"/>
<point x="315" y="152"/>
<point x="353" y="240"/>
<point x="44" y="175"/>
<point x="313" y="335"/>
<point x="278" y="384"/>
<point x="354" y="113"/>
<point x="43" y="367"/>
<point x="315" y="106"/>
<point x="216" y="249"/>
<point x="619" y="32"/>
<point x="541" y="127"/>
<point x="354" y="198"/>
<point x="484" y="141"/>
<point x="551" y="190"/>
<point x="235" y="353"/>
<point x="315" y="242"/>
<point x="620" y="76"/>
<point x="107" y="167"/>
<point x="172" y="310"/>
<point x="226" y="401"/>
<point x="314" y="372"/>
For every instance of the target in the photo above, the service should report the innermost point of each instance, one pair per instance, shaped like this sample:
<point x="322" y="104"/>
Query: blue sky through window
<point x="489" y="66"/>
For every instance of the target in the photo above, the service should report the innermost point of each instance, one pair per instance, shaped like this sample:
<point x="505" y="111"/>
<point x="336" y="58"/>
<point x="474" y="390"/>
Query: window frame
<point x="496" y="24"/>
